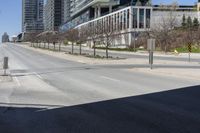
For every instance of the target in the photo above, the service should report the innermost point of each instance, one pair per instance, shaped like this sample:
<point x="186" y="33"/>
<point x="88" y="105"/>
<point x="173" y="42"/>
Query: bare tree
<point x="83" y="37"/>
<point x="61" y="39"/>
<point x="197" y="37"/>
<point x="95" y="32"/>
<point x="72" y="36"/>
<point x="31" y="37"/>
<point x="164" y="31"/>
<point x="54" y="39"/>
<point x="110" y="33"/>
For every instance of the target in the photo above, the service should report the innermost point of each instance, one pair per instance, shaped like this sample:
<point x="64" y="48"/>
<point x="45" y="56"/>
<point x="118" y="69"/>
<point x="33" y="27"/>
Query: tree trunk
<point x="48" y="45"/>
<point x="165" y="48"/>
<point x="54" y="46"/>
<point x="94" y="47"/>
<point x="72" y="48"/>
<point x="80" y="48"/>
<point x="107" y="51"/>
<point x="59" y="46"/>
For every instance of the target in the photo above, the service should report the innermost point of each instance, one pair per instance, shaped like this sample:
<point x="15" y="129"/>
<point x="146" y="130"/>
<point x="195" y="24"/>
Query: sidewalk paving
<point x="145" y="53"/>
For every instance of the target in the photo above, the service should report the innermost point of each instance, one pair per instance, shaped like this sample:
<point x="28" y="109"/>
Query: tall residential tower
<point x="32" y="16"/>
<point x="53" y="14"/>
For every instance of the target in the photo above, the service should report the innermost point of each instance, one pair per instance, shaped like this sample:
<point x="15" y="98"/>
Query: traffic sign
<point x="151" y="44"/>
<point x="189" y="47"/>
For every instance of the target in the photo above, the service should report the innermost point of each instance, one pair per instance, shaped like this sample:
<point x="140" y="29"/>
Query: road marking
<point x="36" y="74"/>
<point x="18" y="83"/>
<point x="112" y="79"/>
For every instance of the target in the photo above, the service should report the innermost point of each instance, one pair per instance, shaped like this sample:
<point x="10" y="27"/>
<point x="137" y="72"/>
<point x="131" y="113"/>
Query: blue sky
<point x="10" y="14"/>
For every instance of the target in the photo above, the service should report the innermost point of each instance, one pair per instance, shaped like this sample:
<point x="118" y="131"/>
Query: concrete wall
<point x="160" y="17"/>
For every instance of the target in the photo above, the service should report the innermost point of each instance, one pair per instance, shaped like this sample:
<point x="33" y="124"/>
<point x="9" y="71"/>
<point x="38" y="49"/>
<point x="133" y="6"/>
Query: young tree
<point x="109" y="33"/>
<point x="195" y="23"/>
<point x="198" y="38"/>
<point x="61" y="39"/>
<point x="184" y="21"/>
<point x="164" y="32"/>
<point x="72" y="36"/>
<point x="54" y="38"/>
<point x="189" y="22"/>
<point x="83" y="37"/>
<point x="95" y="34"/>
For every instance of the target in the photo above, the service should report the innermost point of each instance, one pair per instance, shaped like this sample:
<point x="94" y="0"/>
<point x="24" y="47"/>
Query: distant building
<point x="14" y="38"/>
<point x="32" y="16"/>
<point x="53" y="14"/>
<point x="162" y="14"/>
<point x="5" y="38"/>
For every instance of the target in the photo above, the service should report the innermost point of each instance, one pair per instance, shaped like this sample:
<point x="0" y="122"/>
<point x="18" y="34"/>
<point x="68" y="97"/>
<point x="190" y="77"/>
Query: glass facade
<point x="32" y="15"/>
<point x="148" y="18"/>
<point x="83" y="13"/>
<point x="130" y="18"/>
<point x="141" y="18"/>
<point x="53" y="14"/>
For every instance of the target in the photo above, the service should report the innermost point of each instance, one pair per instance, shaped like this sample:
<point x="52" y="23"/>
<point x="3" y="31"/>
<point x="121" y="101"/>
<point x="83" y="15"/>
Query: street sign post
<point x="5" y="64"/>
<point x="189" y="50"/>
<point x="151" y="46"/>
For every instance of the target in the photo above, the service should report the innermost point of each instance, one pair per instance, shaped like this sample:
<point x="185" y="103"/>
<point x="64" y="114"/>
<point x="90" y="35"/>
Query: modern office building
<point x="80" y="11"/>
<point x="127" y="16"/>
<point x="130" y="17"/>
<point x="32" y="16"/>
<point x="53" y="14"/>
<point x="5" y="38"/>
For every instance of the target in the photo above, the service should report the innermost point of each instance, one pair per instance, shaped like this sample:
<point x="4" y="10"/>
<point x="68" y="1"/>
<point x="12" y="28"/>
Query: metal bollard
<point x="5" y="64"/>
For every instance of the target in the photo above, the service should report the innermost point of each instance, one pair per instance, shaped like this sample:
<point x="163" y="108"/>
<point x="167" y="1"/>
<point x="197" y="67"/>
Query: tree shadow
<point x="174" y="111"/>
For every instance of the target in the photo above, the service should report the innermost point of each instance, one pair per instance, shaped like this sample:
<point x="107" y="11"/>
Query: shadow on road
<point x="175" y="111"/>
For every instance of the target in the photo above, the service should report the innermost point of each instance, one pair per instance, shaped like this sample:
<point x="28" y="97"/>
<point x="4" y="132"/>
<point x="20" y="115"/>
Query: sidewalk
<point x="145" y="53"/>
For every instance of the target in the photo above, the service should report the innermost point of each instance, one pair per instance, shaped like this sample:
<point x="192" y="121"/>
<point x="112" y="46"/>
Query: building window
<point x="141" y="21"/>
<point x="148" y="18"/>
<point x="135" y="17"/>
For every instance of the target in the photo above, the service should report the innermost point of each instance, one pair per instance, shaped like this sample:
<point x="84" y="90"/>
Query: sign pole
<point x="189" y="56"/>
<point x="151" y="47"/>
<point x="5" y="65"/>
<point x="189" y="52"/>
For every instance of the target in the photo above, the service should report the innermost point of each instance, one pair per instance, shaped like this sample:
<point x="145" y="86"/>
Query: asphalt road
<point x="53" y="95"/>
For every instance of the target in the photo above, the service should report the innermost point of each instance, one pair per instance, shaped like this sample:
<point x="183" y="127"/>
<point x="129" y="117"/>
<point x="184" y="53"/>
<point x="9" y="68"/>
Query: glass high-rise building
<point x="32" y="16"/>
<point x="53" y="14"/>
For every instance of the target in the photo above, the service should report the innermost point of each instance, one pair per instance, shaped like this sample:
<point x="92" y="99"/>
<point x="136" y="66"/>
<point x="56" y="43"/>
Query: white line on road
<point x="18" y="82"/>
<point x="36" y="74"/>
<point x="112" y="79"/>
